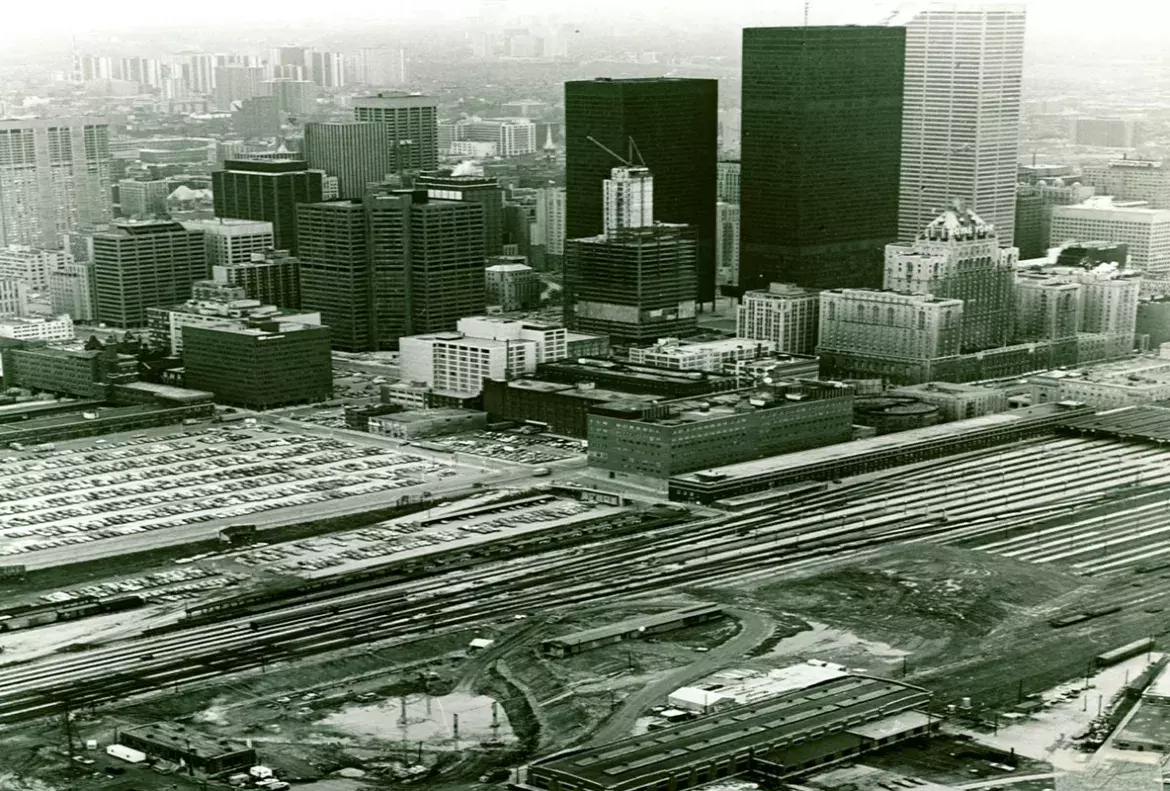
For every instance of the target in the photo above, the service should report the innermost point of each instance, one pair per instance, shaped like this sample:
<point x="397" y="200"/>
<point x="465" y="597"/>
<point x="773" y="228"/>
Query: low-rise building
<point x="419" y="423"/>
<point x="165" y="325"/>
<point x="712" y="356"/>
<point x="67" y="372"/>
<point x="957" y="401"/>
<point x="563" y="407"/>
<point x="183" y="745"/>
<point x="37" y="329"/>
<point x="1141" y="380"/>
<point x="261" y="367"/>
<point x="658" y="441"/>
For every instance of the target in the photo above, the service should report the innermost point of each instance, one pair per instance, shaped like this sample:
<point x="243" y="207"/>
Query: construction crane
<point x="628" y="161"/>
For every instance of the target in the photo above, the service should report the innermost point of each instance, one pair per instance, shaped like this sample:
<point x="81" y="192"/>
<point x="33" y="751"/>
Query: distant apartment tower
<point x="382" y="66"/>
<point x="958" y="256"/>
<point x="727" y="189"/>
<point x="272" y="277"/>
<point x="328" y="69"/>
<point x="665" y="124"/>
<point x="1133" y="180"/>
<point x="235" y="83"/>
<point x="472" y="189"/>
<point x="296" y="97"/>
<point x="146" y="264"/>
<point x="143" y="199"/>
<point x="413" y="122"/>
<point x="1107" y="132"/>
<point x="270" y="366"/>
<point x="258" y="117"/>
<point x="1146" y="232"/>
<point x="961" y="121"/>
<point x="55" y="178"/>
<point x="511" y="284"/>
<point x="31" y="265"/>
<point x="71" y="290"/>
<point x="230" y="241"/>
<point x="268" y="191"/>
<point x="785" y="314"/>
<point x="13" y="298"/>
<point x="822" y="125"/>
<point x="902" y="338"/>
<point x="727" y="224"/>
<point x="358" y="153"/>
<point x="549" y="228"/>
<point x="391" y="265"/>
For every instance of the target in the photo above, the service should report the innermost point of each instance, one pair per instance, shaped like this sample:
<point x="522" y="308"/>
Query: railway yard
<point x="984" y="578"/>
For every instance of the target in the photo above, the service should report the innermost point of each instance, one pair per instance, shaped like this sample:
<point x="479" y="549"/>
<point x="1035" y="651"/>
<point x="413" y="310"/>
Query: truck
<point x="260" y="772"/>
<point x="128" y="754"/>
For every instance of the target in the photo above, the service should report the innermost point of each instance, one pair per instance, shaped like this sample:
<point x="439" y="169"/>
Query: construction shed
<point x="177" y="743"/>
<point x="633" y="628"/>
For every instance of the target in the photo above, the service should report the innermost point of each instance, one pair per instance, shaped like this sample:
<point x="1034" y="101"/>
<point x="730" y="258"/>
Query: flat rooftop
<point x="783" y="719"/>
<point x="586" y="394"/>
<point x="633" y="625"/>
<point x="1132" y="373"/>
<point x="183" y="738"/>
<point x="65" y="420"/>
<point x="170" y="393"/>
<point x="845" y="450"/>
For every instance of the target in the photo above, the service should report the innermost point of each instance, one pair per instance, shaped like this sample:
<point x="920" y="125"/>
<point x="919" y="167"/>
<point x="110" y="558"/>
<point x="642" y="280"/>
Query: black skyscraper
<point x="270" y="191"/>
<point x="673" y="124"/>
<point x="821" y="152"/>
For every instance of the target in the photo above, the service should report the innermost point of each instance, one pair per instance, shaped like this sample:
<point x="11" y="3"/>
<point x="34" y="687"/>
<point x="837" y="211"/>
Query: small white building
<point x="700" y="701"/>
<point x="37" y="329"/>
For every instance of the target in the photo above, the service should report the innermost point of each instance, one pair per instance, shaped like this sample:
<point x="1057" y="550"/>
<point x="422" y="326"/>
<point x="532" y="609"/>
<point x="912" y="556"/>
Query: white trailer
<point x="128" y="754"/>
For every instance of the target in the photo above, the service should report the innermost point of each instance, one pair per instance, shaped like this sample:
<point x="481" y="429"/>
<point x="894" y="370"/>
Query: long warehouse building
<point x="859" y="457"/>
<point x="766" y="741"/>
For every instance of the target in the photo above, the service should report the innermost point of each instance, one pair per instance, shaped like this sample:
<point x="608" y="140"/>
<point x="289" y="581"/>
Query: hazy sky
<point x="24" y="17"/>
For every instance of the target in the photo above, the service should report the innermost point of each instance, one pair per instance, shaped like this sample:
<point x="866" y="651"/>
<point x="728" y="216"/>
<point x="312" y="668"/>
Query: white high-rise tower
<point x="629" y="199"/>
<point x="961" y="113"/>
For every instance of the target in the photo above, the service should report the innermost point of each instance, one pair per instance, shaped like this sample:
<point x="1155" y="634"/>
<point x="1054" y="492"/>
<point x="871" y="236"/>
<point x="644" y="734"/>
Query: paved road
<point x="755" y="629"/>
<point x="1003" y="781"/>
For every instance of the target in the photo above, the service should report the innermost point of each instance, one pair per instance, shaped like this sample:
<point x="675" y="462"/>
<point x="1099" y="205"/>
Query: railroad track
<point x="803" y="536"/>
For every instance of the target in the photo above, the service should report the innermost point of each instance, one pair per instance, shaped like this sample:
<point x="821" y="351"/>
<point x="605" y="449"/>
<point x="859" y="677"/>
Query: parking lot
<point x="513" y="446"/>
<point x="119" y="486"/>
<point x="446" y="528"/>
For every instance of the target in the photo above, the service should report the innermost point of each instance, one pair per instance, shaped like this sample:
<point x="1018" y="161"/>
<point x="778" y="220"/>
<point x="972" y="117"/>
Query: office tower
<point x="328" y="69"/>
<point x="383" y="66"/>
<point x="143" y="198"/>
<point x="727" y="243"/>
<point x="1090" y="255"/>
<point x="31" y="265"/>
<point x="1133" y="180"/>
<point x="727" y="185"/>
<point x="822" y="120"/>
<point x="298" y="98"/>
<point x="71" y="289"/>
<point x="628" y="199"/>
<point x="258" y="117"/>
<point x="961" y="122"/>
<point x="1109" y="303"/>
<point x="54" y="178"/>
<point x="901" y="338"/>
<point x="511" y="284"/>
<point x="358" y="153"/>
<point x="13" y="298"/>
<point x="549" y="228"/>
<point x="958" y="256"/>
<point x="391" y="265"/>
<point x="414" y="121"/>
<point x="1047" y="308"/>
<point x="665" y="124"/>
<point x="215" y="304"/>
<point x="272" y="365"/>
<point x="273" y="277"/>
<point x="510" y="137"/>
<point x="1034" y="204"/>
<point x="144" y="264"/>
<point x="235" y="83"/>
<point x="1146" y="232"/>
<point x="268" y="191"/>
<point x="786" y="315"/>
<point x="231" y="242"/>
<point x="474" y="189"/>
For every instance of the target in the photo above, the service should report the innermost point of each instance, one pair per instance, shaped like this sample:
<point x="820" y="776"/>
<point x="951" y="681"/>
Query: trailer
<point x="128" y="754"/>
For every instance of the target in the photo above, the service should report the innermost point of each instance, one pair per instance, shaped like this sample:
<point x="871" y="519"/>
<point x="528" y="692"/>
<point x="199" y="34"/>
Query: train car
<point x="1124" y="652"/>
